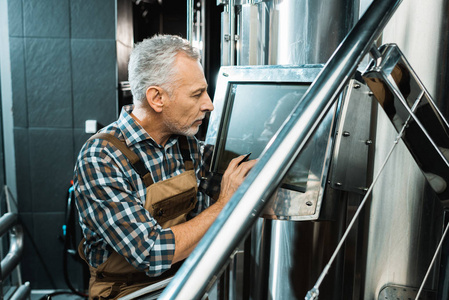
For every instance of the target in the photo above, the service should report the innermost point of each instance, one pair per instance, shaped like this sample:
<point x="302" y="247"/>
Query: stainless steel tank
<point x="396" y="235"/>
<point x="405" y="221"/>
<point x="287" y="256"/>
<point x="274" y="32"/>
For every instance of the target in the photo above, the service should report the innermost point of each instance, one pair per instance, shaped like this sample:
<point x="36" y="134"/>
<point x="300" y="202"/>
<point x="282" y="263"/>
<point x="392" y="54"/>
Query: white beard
<point x="175" y="128"/>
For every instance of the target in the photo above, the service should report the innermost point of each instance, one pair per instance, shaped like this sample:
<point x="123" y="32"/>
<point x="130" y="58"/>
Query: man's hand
<point x="233" y="178"/>
<point x="188" y="234"/>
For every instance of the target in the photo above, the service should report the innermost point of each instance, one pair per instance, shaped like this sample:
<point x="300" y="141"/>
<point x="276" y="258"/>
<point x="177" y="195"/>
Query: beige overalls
<point x="169" y="201"/>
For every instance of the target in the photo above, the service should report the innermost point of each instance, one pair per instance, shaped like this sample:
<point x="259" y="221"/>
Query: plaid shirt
<point x="110" y="196"/>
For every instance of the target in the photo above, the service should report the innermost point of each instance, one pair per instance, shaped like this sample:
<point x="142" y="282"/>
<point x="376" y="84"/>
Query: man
<point x="136" y="184"/>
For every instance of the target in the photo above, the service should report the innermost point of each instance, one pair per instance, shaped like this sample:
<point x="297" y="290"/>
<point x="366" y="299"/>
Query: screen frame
<point x="234" y="75"/>
<point x="300" y="205"/>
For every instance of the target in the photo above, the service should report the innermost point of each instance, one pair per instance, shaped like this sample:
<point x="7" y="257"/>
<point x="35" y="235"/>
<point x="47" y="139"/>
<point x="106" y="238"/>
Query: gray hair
<point x="152" y="62"/>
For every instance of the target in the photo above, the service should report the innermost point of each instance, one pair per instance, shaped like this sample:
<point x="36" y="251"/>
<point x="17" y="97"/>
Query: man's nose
<point x="207" y="105"/>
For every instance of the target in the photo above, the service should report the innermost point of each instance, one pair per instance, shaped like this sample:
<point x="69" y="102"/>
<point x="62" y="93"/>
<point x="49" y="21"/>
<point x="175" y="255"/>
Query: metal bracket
<point x="404" y="99"/>
<point x="350" y="158"/>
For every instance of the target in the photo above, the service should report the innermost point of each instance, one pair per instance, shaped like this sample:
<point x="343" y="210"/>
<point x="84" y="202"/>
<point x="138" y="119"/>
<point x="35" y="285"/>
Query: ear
<point x="155" y="98"/>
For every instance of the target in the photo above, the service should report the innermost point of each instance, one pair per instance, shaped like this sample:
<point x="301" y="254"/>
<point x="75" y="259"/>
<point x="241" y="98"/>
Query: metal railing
<point x="9" y="226"/>
<point x="8" y="223"/>
<point x="236" y="219"/>
<point x="12" y="259"/>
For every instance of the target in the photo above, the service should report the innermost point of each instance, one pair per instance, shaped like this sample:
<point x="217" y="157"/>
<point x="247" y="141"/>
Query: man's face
<point x="185" y="110"/>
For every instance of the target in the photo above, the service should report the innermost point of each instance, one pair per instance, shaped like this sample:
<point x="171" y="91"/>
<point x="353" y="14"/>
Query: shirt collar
<point x="134" y="133"/>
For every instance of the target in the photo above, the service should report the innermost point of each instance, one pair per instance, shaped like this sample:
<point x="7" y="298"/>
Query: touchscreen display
<point x="254" y="113"/>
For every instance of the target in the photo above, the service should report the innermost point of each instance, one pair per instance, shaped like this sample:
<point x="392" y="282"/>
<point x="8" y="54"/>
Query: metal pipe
<point x="7" y="221"/>
<point x="12" y="259"/>
<point x="203" y="33"/>
<point x="241" y="212"/>
<point x="23" y="292"/>
<point x="231" y="10"/>
<point x="190" y="9"/>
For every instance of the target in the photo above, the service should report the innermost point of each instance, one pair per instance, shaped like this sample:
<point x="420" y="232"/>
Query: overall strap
<point x="138" y="164"/>
<point x="132" y="157"/>
<point x="185" y="152"/>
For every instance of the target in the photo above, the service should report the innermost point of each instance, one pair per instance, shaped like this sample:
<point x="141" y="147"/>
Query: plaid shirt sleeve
<point x="112" y="212"/>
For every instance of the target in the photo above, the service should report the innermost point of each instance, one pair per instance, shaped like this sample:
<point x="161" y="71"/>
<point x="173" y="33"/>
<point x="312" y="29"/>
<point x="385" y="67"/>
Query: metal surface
<point x="8" y="224"/>
<point x="350" y="158"/>
<point x="231" y="9"/>
<point x="225" y="59"/>
<point x="228" y="34"/>
<point x="404" y="218"/>
<point x="394" y="292"/>
<point x="12" y="258"/>
<point x="305" y="73"/>
<point x="404" y="223"/>
<point x="315" y="290"/>
<point x="401" y="94"/>
<point x="248" y="44"/>
<point x="243" y="208"/>
<point x="276" y="32"/>
<point x="254" y="129"/>
<point x="189" y="18"/>
<point x="292" y="271"/>
<point x="443" y="280"/>
<point x="23" y="292"/>
<point x="420" y="29"/>
<point x="196" y="30"/>
<point x="285" y="268"/>
<point x="438" y="254"/>
<point x="149" y="292"/>
<point x="441" y="75"/>
<point x="268" y="30"/>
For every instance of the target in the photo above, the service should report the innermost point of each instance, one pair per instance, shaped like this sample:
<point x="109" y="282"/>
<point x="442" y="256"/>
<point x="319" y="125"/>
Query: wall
<point x="63" y="70"/>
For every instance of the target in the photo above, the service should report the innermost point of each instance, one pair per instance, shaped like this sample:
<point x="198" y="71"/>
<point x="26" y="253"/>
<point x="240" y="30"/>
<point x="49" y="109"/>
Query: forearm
<point x="188" y="234"/>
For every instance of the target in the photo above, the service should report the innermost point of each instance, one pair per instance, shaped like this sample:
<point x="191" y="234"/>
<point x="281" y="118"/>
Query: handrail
<point x="231" y="226"/>
<point x="12" y="259"/>
<point x="7" y="221"/>
<point x="23" y="292"/>
<point x="9" y="224"/>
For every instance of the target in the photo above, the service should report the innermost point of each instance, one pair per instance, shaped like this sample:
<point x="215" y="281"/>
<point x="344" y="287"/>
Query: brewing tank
<point x="287" y="256"/>
<point x="396" y="235"/>
<point x="282" y="32"/>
